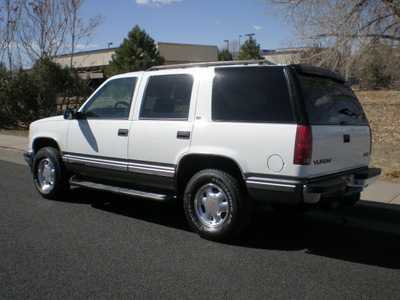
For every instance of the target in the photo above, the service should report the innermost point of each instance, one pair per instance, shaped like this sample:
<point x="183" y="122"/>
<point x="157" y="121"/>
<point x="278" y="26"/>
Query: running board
<point x="120" y="190"/>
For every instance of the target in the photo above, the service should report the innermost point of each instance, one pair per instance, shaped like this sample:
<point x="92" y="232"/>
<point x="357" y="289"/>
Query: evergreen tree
<point x="225" y="55"/>
<point x="42" y="92"/>
<point x="250" y="50"/>
<point x="137" y="52"/>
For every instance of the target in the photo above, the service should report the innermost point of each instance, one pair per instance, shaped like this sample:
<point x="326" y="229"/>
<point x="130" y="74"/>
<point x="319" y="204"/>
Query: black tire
<point x="214" y="205"/>
<point x="49" y="173"/>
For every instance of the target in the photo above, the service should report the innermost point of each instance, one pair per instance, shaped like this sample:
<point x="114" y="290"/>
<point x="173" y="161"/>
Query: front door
<point x="97" y="142"/>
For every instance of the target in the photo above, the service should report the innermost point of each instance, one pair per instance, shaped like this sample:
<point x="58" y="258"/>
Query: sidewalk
<point x="13" y="143"/>
<point x="11" y="148"/>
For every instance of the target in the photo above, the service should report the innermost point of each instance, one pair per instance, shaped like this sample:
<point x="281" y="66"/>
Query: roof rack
<point x="213" y="64"/>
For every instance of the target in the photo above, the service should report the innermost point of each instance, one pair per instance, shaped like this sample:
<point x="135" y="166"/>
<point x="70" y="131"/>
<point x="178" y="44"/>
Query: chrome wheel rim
<point x="46" y="175"/>
<point x="211" y="205"/>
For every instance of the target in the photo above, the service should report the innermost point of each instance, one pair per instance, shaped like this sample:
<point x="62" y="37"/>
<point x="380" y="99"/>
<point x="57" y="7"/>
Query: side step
<point x="120" y="190"/>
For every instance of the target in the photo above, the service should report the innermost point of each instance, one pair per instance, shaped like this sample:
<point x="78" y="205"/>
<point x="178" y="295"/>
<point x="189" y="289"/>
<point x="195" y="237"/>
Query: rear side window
<point x="167" y="97"/>
<point x="251" y="94"/>
<point x="330" y="102"/>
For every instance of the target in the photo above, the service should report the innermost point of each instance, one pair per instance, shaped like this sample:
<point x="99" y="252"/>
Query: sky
<point x="204" y="22"/>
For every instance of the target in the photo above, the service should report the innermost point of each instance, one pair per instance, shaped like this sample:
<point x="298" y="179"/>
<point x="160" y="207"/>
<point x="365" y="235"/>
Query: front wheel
<point x="214" y="205"/>
<point x="49" y="174"/>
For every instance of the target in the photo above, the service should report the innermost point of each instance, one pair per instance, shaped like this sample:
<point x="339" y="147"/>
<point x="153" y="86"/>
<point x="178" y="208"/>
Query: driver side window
<point x="113" y="100"/>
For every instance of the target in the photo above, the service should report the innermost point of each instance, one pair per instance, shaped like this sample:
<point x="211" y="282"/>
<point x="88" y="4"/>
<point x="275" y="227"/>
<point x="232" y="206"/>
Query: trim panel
<point x="252" y="184"/>
<point x="95" y="162"/>
<point x="119" y="165"/>
<point x="151" y="170"/>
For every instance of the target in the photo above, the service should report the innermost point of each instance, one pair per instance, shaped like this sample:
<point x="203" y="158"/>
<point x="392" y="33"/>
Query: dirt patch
<point x="383" y="112"/>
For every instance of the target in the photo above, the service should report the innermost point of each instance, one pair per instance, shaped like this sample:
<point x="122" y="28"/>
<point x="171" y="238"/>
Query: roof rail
<point x="213" y="64"/>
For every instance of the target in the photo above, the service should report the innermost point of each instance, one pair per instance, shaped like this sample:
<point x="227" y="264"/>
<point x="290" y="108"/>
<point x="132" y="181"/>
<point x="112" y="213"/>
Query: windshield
<point x="330" y="102"/>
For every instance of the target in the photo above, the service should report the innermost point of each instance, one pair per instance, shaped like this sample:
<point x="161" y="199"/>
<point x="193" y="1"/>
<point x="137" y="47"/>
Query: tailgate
<point x="338" y="148"/>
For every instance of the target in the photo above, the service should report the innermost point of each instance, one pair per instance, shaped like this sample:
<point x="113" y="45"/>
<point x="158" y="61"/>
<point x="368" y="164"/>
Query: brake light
<point x="303" y="145"/>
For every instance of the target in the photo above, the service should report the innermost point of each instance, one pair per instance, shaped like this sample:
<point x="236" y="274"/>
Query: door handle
<point x="123" y="132"/>
<point x="346" y="138"/>
<point x="184" y="135"/>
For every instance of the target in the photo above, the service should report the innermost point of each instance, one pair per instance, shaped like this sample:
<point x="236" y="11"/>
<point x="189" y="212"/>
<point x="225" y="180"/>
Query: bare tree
<point x="43" y="28"/>
<point x="343" y="29"/>
<point x="360" y="19"/>
<point x="9" y="20"/>
<point x="234" y="46"/>
<point x="79" y="31"/>
<point x="50" y="26"/>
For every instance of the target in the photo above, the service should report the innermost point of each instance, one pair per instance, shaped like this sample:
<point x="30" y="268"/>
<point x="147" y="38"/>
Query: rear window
<point x="330" y="102"/>
<point x="251" y="94"/>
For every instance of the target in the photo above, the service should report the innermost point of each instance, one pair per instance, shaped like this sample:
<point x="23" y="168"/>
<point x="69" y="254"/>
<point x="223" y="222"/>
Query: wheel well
<point x="191" y="164"/>
<point x="40" y="143"/>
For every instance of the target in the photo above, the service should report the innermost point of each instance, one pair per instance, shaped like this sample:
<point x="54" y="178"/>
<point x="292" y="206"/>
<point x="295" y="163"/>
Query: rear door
<point x="162" y="128"/>
<point x="340" y="129"/>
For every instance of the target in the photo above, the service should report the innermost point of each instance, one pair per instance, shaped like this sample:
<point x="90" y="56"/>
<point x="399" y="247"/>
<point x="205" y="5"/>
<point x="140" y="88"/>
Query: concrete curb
<point x="13" y="142"/>
<point x="379" y="205"/>
<point x="382" y="192"/>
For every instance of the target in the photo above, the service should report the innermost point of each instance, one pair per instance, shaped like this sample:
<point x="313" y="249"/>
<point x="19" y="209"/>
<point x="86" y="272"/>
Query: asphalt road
<point x="98" y="245"/>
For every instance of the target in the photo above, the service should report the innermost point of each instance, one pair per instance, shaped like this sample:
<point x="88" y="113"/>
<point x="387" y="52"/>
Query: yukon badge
<point x="323" y="161"/>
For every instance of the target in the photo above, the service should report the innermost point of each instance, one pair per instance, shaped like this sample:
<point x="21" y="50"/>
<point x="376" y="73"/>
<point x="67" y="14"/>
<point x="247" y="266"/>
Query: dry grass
<point x="383" y="112"/>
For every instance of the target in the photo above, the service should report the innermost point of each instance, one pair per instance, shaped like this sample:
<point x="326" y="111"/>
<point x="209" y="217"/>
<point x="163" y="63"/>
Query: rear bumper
<point x="358" y="179"/>
<point x="266" y="190"/>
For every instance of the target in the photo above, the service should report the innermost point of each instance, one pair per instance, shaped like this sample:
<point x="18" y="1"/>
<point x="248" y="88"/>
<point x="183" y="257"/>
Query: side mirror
<point x="72" y="114"/>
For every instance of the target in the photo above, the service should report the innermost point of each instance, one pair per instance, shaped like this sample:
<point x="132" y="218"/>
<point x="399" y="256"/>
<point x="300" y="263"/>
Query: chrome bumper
<point x="28" y="156"/>
<point x="309" y="191"/>
<point x="349" y="184"/>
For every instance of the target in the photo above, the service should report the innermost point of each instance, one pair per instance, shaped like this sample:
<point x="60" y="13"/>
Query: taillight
<point x="303" y="145"/>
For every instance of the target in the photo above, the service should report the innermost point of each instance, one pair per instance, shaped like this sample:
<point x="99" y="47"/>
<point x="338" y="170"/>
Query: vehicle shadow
<point x="362" y="234"/>
<point x="164" y="213"/>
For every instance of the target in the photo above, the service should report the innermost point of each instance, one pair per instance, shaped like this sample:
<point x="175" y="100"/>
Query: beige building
<point x="91" y="64"/>
<point x="187" y="53"/>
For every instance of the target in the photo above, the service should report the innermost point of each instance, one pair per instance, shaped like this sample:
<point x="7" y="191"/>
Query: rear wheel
<point x="215" y="206"/>
<point x="49" y="173"/>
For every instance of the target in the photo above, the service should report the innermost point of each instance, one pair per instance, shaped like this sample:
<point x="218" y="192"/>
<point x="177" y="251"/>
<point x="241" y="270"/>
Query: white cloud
<point x="257" y="27"/>
<point x="156" y="2"/>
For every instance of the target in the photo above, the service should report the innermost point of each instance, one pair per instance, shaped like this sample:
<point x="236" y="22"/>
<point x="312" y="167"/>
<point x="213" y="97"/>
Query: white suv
<point x="220" y="136"/>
